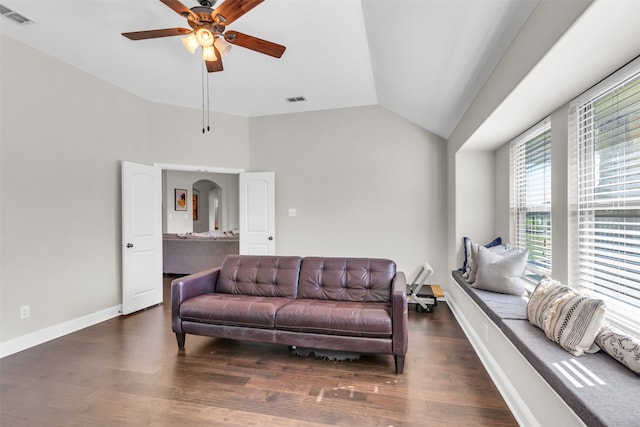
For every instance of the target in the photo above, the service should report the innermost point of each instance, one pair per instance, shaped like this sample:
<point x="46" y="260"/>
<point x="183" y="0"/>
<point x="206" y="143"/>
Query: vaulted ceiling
<point x="423" y="60"/>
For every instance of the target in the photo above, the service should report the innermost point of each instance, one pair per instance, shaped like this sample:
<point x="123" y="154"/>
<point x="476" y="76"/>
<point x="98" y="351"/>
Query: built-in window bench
<point x="527" y="367"/>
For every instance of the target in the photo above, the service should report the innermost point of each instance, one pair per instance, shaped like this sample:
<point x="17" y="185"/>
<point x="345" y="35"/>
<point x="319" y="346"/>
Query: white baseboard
<point x="33" y="339"/>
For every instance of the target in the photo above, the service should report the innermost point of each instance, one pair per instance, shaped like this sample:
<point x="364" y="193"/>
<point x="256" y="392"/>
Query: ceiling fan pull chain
<point x="208" y="105"/>
<point x="203" y="74"/>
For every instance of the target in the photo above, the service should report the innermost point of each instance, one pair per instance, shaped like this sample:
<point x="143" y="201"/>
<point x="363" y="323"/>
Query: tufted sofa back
<point x="268" y="276"/>
<point x="346" y="279"/>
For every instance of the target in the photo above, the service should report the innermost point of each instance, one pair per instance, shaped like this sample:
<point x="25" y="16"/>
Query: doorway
<point x="212" y="201"/>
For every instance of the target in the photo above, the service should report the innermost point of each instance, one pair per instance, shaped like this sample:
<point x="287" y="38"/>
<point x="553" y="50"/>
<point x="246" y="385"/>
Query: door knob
<point x="270" y="237"/>
<point x="129" y="245"/>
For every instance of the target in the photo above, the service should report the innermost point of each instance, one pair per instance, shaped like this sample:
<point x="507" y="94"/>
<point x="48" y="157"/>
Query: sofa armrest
<point x="183" y="288"/>
<point x="400" y="314"/>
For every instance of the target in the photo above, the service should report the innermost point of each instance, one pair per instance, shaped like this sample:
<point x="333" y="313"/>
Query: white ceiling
<point x="424" y="60"/>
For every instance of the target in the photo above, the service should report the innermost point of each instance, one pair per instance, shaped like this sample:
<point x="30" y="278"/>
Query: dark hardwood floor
<point x="128" y="372"/>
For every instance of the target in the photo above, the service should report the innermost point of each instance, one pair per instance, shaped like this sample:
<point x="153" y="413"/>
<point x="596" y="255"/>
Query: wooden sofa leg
<point x="399" y="364"/>
<point x="180" y="337"/>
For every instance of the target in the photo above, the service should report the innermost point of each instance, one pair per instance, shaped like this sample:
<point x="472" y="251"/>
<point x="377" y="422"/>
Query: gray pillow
<point x="623" y="347"/>
<point x="497" y="273"/>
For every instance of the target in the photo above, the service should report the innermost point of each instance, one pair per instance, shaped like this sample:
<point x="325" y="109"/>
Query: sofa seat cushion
<point x="346" y="318"/>
<point x="235" y="310"/>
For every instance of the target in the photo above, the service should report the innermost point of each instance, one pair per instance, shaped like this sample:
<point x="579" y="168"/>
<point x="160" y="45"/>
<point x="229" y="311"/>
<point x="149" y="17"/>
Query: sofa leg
<point x="399" y="364"/>
<point x="180" y="338"/>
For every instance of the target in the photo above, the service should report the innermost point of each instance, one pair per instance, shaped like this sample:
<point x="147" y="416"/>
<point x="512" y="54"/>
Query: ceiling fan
<point x="208" y="30"/>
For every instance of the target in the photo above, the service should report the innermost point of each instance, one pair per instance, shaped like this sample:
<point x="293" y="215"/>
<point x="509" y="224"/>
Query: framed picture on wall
<point x="181" y="199"/>
<point x="195" y="207"/>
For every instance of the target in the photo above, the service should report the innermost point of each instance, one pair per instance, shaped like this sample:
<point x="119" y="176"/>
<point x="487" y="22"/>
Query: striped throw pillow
<point x="567" y="317"/>
<point x="542" y="300"/>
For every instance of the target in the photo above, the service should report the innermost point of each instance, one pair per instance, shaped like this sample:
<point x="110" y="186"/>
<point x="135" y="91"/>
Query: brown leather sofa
<point x="345" y="304"/>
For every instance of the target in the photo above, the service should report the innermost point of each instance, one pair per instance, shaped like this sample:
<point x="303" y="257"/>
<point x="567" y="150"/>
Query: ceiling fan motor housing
<point x="202" y="17"/>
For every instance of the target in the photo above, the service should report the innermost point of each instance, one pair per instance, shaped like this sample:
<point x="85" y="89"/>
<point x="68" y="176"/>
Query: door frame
<point x="193" y="168"/>
<point x="212" y="169"/>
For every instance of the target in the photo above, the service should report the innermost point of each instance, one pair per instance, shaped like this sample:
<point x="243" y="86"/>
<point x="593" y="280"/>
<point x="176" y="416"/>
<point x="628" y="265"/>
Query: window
<point x="607" y="191"/>
<point x="531" y="196"/>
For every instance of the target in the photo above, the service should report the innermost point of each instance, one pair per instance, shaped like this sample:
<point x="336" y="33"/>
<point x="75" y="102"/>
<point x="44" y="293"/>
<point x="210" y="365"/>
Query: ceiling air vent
<point x="296" y="99"/>
<point x="14" y="16"/>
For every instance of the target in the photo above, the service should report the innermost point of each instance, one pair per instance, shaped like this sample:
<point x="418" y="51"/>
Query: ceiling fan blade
<point x="152" y="34"/>
<point x="254" y="43"/>
<point x="178" y="7"/>
<point x="234" y="9"/>
<point x="213" y="66"/>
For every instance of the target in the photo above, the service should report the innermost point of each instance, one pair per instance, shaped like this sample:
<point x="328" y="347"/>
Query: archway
<point x="207" y="201"/>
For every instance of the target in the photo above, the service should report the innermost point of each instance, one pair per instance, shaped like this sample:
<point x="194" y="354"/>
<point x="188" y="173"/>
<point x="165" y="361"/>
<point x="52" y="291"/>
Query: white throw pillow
<point x="621" y="346"/>
<point x="497" y="273"/>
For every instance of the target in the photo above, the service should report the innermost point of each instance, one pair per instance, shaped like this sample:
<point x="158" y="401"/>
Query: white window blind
<point x="607" y="189"/>
<point x="531" y="196"/>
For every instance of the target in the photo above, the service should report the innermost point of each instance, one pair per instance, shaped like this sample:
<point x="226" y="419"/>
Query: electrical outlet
<point x="25" y="311"/>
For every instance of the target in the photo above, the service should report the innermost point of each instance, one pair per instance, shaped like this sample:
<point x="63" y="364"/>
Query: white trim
<point x="608" y="83"/>
<point x="195" y="168"/>
<point x="41" y="336"/>
<point x="535" y="130"/>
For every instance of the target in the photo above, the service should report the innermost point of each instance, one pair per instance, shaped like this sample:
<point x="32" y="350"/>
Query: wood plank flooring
<point x="128" y="372"/>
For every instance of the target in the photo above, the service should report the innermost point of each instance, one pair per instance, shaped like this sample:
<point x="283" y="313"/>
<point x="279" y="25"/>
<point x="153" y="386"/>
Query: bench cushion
<point x="336" y="318"/>
<point x="497" y="306"/>
<point x="597" y="404"/>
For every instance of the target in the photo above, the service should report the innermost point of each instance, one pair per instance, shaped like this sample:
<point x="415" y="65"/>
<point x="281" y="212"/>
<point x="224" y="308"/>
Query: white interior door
<point x="141" y="236"/>
<point x="257" y="213"/>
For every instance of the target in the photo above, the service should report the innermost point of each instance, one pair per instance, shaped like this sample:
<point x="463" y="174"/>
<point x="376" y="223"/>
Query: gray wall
<point x="363" y="181"/>
<point x="63" y="136"/>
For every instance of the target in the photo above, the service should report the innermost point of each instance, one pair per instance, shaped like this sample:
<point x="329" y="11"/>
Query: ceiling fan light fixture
<point x="209" y="53"/>
<point x="190" y="43"/>
<point x="222" y="46"/>
<point x="205" y="37"/>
